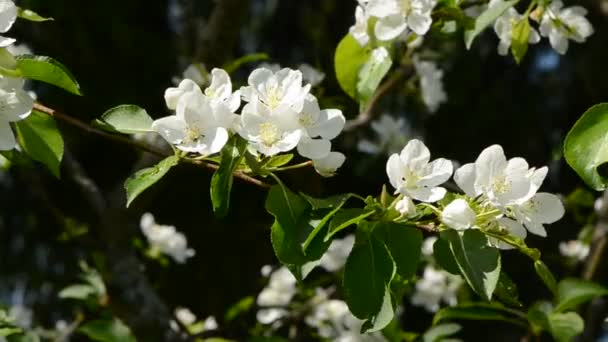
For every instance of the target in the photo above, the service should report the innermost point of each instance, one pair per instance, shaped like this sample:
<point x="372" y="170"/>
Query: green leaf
<point x="403" y="243"/>
<point x="278" y="161"/>
<point x="127" y="119"/>
<point x="571" y="292"/>
<point x="565" y="326"/>
<point x="78" y="291"/>
<point x="478" y="262"/>
<point x="545" y="275"/>
<point x="506" y="291"/>
<point x="586" y="146"/>
<point x="40" y="139"/>
<point x="145" y="178"/>
<point x="250" y="58"/>
<point x="372" y="73"/>
<point x="348" y="60"/>
<point x="480" y="312"/>
<point x="107" y="330"/>
<point x="519" y="41"/>
<point x="221" y="182"/>
<point x="31" y="15"/>
<point x="48" y="70"/>
<point x="241" y="307"/>
<point x="28" y="336"/>
<point x="291" y="221"/>
<point x="439" y="332"/>
<point x="8" y="331"/>
<point x="444" y="257"/>
<point x="485" y="19"/>
<point x="345" y="218"/>
<point x="368" y="272"/>
<point x="332" y="202"/>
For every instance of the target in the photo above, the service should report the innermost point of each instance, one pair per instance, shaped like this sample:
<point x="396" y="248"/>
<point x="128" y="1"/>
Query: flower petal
<point x="7" y="138"/>
<point x="465" y="179"/>
<point x="314" y="148"/>
<point x="390" y="27"/>
<point x="171" y="128"/>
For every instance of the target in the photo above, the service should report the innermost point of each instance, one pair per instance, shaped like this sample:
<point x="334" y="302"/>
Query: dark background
<point x="128" y="51"/>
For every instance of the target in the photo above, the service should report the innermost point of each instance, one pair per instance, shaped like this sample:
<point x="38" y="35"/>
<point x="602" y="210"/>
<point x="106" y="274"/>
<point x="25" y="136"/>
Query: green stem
<point x="291" y="167"/>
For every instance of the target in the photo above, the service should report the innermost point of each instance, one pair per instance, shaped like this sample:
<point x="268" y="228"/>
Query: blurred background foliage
<point x="129" y="51"/>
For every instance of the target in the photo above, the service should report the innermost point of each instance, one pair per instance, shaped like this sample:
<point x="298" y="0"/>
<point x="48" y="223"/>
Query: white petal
<point x="491" y="161"/>
<point x="289" y="141"/>
<point x="395" y="170"/>
<point x="415" y="154"/>
<point x="172" y="95"/>
<point x="368" y="146"/>
<point x="327" y="166"/>
<point x="7" y="138"/>
<point x="548" y="208"/>
<point x="17" y="104"/>
<point x="458" y="215"/>
<point x="331" y="123"/>
<point x="390" y="27"/>
<point x="8" y="15"/>
<point x="426" y="194"/>
<point x="514" y="228"/>
<point x="171" y="128"/>
<point x="382" y="8"/>
<point x="406" y="207"/>
<point x="419" y="23"/>
<point x="558" y="41"/>
<point x="221" y="86"/>
<point x="5" y="41"/>
<point x="465" y="179"/>
<point x="437" y="172"/>
<point x="314" y="148"/>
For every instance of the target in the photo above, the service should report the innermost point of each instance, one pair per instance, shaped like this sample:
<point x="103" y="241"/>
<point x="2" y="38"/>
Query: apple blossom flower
<point x="411" y="174"/>
<point x="503" y="26"/>
<point x="434" y="287"/>
<point x="174" y="94"/>
<point x="185" y="316"/>
<point x="431" y="84"/>
<point x="359" y="29"/>
<point x="199" y="126"/>
<point x="328" y="165"/>
<point x="391" y="135"/>
<point x="335" y="257"/>
<point x="276" y="90"/>
<point x="322" y="124"/>
<point x="542" y="208"/>
<point x="396" y="16"/>
<point x="166" y="239"/>
<point x="277" y="294"/>
<point x="311" y="75"/>
<point x="220" y="90"/>
<point x="458" y="215"/>
<point x="17" y="105"/>
<point x="574" y="249"/>
<point x="561" y="24"/>
<point x="8" y="16"/>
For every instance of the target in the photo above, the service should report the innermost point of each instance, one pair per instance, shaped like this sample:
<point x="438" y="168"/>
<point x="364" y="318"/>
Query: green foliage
<point x="31" y="15"/>
<point x="345" y="218"/>
<point x="440" y="332"/>
<point x="348" y="61"/>
<point x="127" y="119"/>
<point x="143" y="179"/>
<point x="40" y="139"/>
<point x="221" y="182"/>
<point x="478" y="263"/>
<point x="370" y="76"/>
<point x="506" y="291"/>
<point x="586" y="146"/>
<point x="485" y="19"/>
<point x="572" y="292"/>
<point x="565" y="326"/>
<point x="545" y="275"/>
<point x="48" y="70"/>
<point x="480" y="312"/>
<point x="107" y="330"/>
<point x="403" y="243"/>
<point x="519" y="41"/>
<point x="444" y="257"/>
<point x="367" y="293"/>
<point x="241" y="307"/>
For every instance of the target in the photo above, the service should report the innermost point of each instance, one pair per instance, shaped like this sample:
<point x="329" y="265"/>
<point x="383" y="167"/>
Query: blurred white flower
<point x="458" y="215"/>
<point x="198" y="73"/>
<point x="434" y="287"/>
<point x="574" y="249"/>
<point x="311" y="75"/>
<point x="21" y="316"/>
<point x="8" y="16"/>
<point x="335" y="257"/>
<point x="406" y="207"/>
<point x="431" y="84"/>
<point x="17" y="105"/>
<point x="185" y="316"/>
<point x="166" y="239"/>
<point x="19" y="49"/>
<point x="328" y="166"/>
<point x="561" y="24"/>
<point x="427" y="245"/>
<point x="503" y="26"/>
<point x="391" y="134"/>
<point x="411" y="173"/>
<point x="278" y="293"/>
<point x="210" y="323"/>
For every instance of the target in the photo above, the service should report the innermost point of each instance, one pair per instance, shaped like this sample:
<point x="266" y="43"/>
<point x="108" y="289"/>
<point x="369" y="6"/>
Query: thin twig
<point x="368" y="114"/>
<point x="123" y="140"/>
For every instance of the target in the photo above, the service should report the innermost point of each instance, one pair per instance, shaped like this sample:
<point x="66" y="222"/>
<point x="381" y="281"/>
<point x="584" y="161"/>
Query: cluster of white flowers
<point x="431" y="83"/>
<point x="436" y="286"/>
<point x="280" y="115"/>
<point x="310" y="74"/>
<point x="188" y="318"/>
<point x="15" y="103"/>
<point x="574" y="249"/>
<point x="165" y="239"/>
<point x="503" y="192"/>
<point x="390" y="133"/>
<point x="275" y="297"/>
<point x="557" y="23"/>
<point x="394" y="19"/>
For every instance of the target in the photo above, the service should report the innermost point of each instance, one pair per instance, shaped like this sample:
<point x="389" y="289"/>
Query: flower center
<point x="274" y="95"/>
<point x="192" y="135"/>
<point x="269" y="133"/>
<point x="306" y="119"/>
<point x="406" y="7"/>
<point x="410" y="179"/>
<point x="500" y="185"/>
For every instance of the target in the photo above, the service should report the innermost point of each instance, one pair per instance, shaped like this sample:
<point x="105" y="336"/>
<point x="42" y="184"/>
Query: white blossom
<point x="427" y="245"/>
<point x="359" y="29"/>
<point x="503" y="26"/>
<point x="200" y="124"/>
<point x="320" y="127"/>
<point x="434" y="287"/>
<point x="561" y="24"/>
<point x="271" y="315"/>
<point x="166" y="239"/>
<point x="311" y="75"/>
<point x="395" y="17"/>
<point x="174" y="94"/>
<point x="513" y="227"/>
<point x="458" y="215"/>
<point x="220" y="90"/>
<point x="391" y="135"/>
<point x="15" y="105"/>
<point x="185" y="316"/>
<point x="574" y="249"/>
<point x="335" y="257"/>
<point x="406" y="207"/>
<point x="210" y="323"/>
<point x="328" y="165"/>
<point x="411" y="174"/>
<point x="276" y="90"/>
<point x="8" y="16"/>
<point x="542" y="208"/>
<point x="431" y="84"/>
<point x="278" y="293"/>
<point x="198" y="73"/>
